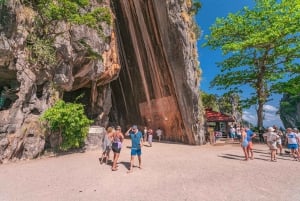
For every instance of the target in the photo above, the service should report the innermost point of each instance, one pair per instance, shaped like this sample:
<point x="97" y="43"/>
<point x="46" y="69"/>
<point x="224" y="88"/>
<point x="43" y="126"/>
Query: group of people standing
<point x="274" y="139"/>
<point x="114" y="138"/>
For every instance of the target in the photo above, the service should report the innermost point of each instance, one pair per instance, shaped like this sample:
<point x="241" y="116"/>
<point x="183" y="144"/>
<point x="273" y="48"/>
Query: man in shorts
<point x="136" y="145"/>
<point x="250" y="135"/>
<point x="272" y="138"/>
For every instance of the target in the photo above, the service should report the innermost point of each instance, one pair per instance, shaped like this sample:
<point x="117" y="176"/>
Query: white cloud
<point x="250" y="117"/>
<point x="270" y="108"/>
<point x="270" y="116"/>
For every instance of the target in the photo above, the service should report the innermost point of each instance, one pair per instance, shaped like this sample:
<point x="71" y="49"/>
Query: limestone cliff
<point x="289" y="111"/>
<point x="145" y="72"/>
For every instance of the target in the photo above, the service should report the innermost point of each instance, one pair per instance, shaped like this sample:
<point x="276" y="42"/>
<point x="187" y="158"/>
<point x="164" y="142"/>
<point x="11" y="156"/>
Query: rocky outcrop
<point x="33" y="90"/>
<point x="145" y="72"/>
<point x="159" y="78"/>
<point x="289" y="111"/>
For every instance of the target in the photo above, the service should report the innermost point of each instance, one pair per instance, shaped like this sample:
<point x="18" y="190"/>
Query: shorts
<point x="292" y="146"/>
<point x="250" y="145"/>
<point x="232" y="135"/>
<point x="279" y="141"/>
<point x="135" y="151"/>
<point x="272" y="145"/>
<point x="115" y="148"/>
<point x="107" y="149"/>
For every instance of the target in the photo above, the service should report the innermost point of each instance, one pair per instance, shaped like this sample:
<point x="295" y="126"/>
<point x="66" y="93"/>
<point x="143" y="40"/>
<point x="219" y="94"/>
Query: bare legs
<point x="273" y="154"/>
<point x="105" y="155"/>
<point x="132" y="162"/>
<point x="250" y="151"/>
<point x="116" y="157"/>
<point x="245" y="153"/>
<point x="280" y="148"/>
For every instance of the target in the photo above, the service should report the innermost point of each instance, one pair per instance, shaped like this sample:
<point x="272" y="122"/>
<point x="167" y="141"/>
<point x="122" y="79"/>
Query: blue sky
<point x="211" y="9"/>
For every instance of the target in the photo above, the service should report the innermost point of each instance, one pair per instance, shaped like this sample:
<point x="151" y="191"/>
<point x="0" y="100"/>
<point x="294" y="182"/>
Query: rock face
<point x="159" y="78"/>
<point x="289" y="111"/>
<point x="147" y="74"/>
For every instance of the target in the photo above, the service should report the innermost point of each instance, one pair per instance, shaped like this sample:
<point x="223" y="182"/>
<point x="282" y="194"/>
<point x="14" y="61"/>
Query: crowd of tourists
<point x="275" y="140"/>
<point x="114" y="138"/>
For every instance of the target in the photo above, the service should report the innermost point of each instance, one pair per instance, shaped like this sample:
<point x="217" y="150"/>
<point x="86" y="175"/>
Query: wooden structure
<point x="219" y="121"/>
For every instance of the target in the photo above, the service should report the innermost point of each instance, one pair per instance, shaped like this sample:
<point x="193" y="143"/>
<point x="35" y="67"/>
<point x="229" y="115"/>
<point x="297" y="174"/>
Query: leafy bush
<point x="42" y="52"/>
<point x="75" y="12"/>
<point x="69" y="120"/>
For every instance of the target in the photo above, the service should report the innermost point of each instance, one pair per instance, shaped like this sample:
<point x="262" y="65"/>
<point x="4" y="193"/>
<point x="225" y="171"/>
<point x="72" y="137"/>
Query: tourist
<point x="238" y="132"/>
<point x="296" y="131"/>
<point x="292" y="143"/>
<point x="272" y="138"/>
<point x="244" y="143"/>
<point x="250" y="136"/>
<point x="232" y="133"/>
<point x="279" y="140"/>
<point x="117" y="139"/>
<point x="145" y="133"/>
<point x="211" y="132"/>
<point x="136" y="145"/>
<point x="106" y="144"/>
<point x="150" y="136"/>
<point x="159" y="134"/>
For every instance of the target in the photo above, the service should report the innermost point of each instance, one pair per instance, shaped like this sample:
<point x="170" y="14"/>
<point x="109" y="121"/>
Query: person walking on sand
<point x="159" y="134"/>
<point x="150" y="136"/>
<point x="145" y="133"/>
<point x="117" y="139"/>
<point x="106" y="144"/>
<point x="136" y="145"/>
<point x="250" y="136"/>
<point x="244" y="143"/>
<point x="272" y="138"/>
<point x="279" y="140"/>
<point x="292" y="143"/>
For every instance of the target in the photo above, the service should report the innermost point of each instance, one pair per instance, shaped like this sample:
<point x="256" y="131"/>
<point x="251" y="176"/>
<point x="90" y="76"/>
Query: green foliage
<point x="209" y="101"/>
<point x="76" y="12"/>
<point x="288" y="110"/>
<point x="227" y="103"/>
<point x="73" y="12"/>
<point x="42" y="52"/>
<point x="195" y="7"/>
<point x="90" y="53"/>
<point x="70" y="121"/>
<point x="260" y="46"/>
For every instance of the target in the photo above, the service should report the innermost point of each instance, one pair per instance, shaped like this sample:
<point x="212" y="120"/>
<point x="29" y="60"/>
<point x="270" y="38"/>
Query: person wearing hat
<point x="272" y="138"/>
<point x="136" y="145"/>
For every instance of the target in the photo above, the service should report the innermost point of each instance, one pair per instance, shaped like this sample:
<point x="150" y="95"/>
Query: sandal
<point x="114" y="169"/>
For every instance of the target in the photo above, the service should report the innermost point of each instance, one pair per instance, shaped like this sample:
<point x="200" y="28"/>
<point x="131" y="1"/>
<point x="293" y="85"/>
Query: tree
<point x="69" y="121"/>
<point x="209" y="101"/>
<point x="260" y="46"/>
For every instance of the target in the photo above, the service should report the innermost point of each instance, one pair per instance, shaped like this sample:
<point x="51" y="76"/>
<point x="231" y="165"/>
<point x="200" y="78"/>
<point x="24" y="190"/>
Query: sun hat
<point x="271" y="129"/>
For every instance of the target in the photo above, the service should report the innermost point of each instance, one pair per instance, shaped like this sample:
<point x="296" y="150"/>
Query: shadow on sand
<point x="126" y="164"/>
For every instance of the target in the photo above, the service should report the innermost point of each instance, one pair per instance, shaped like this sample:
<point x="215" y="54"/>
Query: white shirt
<point x="271" y="136"/>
